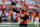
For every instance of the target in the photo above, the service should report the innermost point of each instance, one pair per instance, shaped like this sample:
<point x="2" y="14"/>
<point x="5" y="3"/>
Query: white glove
<point x="21" y="20"/>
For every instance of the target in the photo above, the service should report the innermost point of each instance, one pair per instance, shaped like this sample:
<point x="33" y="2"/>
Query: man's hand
<point x="21" y="20"/>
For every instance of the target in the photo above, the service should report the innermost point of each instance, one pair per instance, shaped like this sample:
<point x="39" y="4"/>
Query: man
<point x="14" y="13"/>
<point x="32" y="16"/>
<point x="24" y="15"/>
<point x="39" y="18"/>
<point x="36" y="17"/>
<point x="36" y="5"/>
<point x="3" y="16"/>
<point x="0" y="18"/>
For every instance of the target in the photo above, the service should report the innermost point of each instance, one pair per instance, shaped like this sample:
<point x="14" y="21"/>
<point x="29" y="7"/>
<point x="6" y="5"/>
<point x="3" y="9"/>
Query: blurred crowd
<point x="9" y="9"/>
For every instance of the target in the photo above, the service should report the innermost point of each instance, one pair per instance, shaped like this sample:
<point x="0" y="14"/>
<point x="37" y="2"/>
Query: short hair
<point x="13" y="3"/>
<point x="37" y="12"/>
<point x="36" y="2"/>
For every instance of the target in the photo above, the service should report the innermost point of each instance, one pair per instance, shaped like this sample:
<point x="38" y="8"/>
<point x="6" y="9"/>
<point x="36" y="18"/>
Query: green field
<point x="16" y="25"/>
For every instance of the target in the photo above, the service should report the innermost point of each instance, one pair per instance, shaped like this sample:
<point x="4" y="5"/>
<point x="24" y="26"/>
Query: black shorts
<point x="0" y="20"/>
<point x="12" y="18"/>
<point x="39" y="20"/>
<point x="23" y="25"/>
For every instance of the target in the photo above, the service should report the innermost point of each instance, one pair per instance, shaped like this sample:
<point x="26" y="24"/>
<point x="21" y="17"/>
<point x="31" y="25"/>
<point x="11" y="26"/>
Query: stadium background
<point x="15" y="25"/>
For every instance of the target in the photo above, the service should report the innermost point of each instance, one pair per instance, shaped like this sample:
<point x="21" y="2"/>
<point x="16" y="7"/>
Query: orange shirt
<point x="24" y="21"/>
<point x="36" y="15"/>
<point x="36" y="6"/>
<point x="1" y="6"/>
<point x="3" y="0"/>
<point x="11" y="14"/>
<point x="10" y="6"/>
<point x="4" y="11"/>
<point x="27" y="6"/>
<point x="39" y="17"/>
<point x="32" y="14"/>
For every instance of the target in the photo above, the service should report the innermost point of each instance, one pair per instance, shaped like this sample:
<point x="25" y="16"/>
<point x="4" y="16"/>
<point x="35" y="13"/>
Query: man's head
<point x="13" y="3"/>
<point x="36" y="3"/>
<point x="3" y="11"/>
<point x="24" y="8"/>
